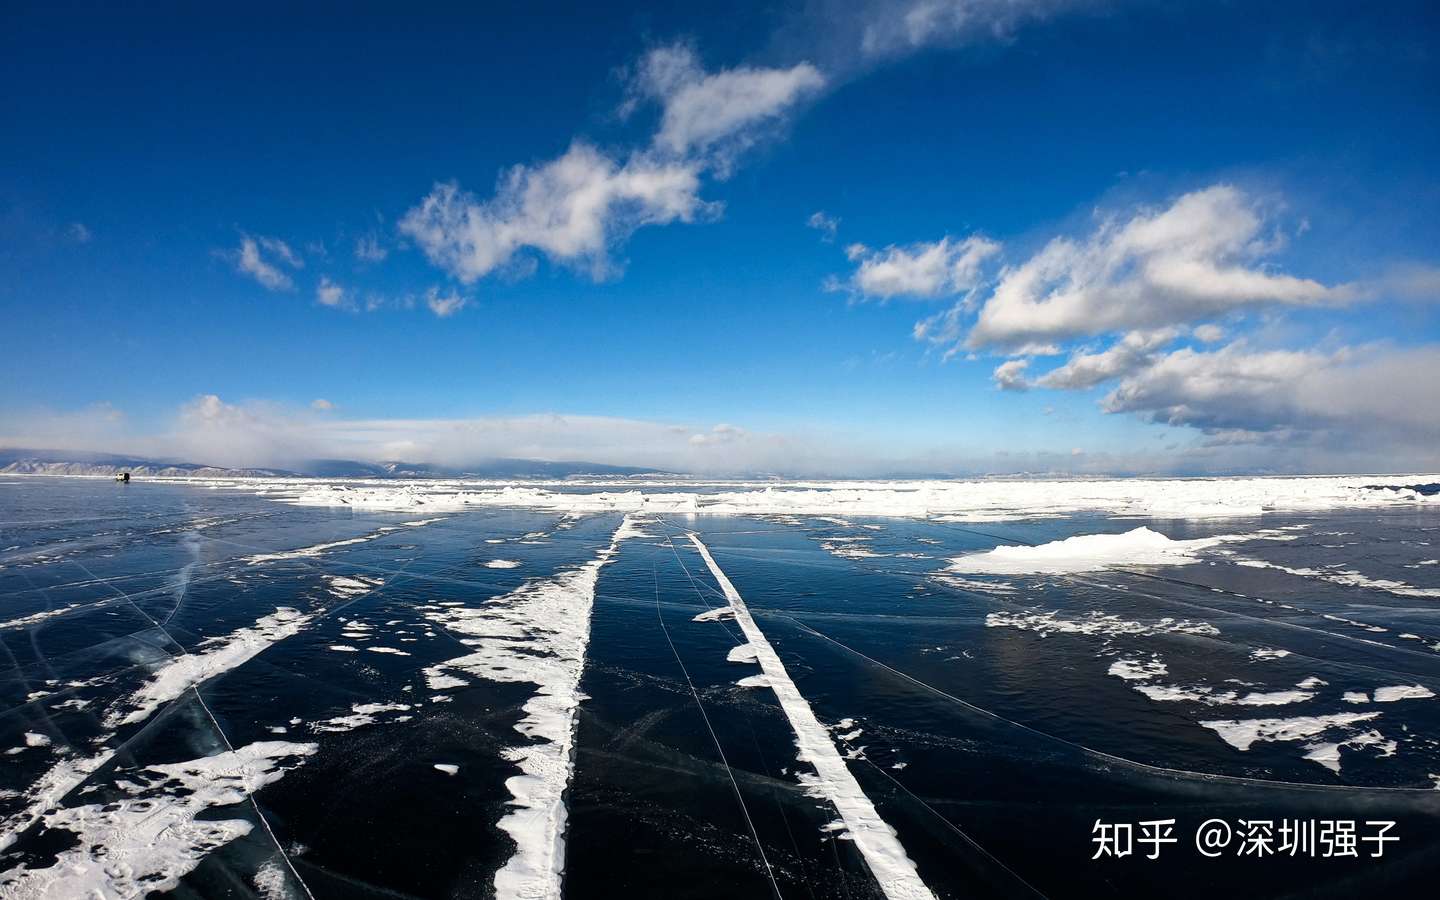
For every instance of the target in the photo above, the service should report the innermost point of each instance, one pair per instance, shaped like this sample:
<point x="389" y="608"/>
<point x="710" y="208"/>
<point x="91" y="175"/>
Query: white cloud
<point x="445" y="304"/>
<point x="281" y="249"/>
<point x="1085" y="370"/>
<point x="575" y="208"/>
<point x="78" y="233"/>
<point x="720" y="434"/>
<point x="1372" y="395"/>
<point x="826" y="225"/>
<point x="925" y="270"/>
<point x="716" y="113"/>
<point x="1200" y="257"/>
<point x="329" y="293"/>
<point x="1209" y="333"/>
<point x="572" y="209"/>
<point x="321" y="404"/>
<point x="1010" y="375"/>
<point x="894" y="27"/>
<point x="250" y="259"/>
<point x="369" y="249"/>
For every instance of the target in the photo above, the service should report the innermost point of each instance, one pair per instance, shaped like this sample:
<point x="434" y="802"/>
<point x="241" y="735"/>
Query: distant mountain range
<point x="65" y="462"/>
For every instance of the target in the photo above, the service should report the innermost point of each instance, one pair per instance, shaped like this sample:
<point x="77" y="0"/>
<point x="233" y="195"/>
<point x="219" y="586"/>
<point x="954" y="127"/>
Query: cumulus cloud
<point x="894" y="27"/>
<point x="261" y="258"/>
<point x="719" y="112"/>
<point x="1374" y="395"/>
<point x="572" y="209"/>
<point x="576" y="208"/>
<point x="328" y="293"/>
<point x="1085" y="370"/>
<point x="923" y="270"/>
<point x="1010" y="375"/>
<point x="1202" y="256"/>
<point x="445" y="303"/>
<point x="369" y="249"/>
<point x="828" y="226"/>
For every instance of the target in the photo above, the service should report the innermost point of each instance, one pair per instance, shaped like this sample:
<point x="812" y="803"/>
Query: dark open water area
<point x="992" y="721"/>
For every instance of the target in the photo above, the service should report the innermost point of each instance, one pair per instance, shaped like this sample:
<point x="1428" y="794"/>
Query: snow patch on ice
<point x="150" y="839"/>
<point x="36" y="618"/>
<point x="214" y="656"/>
<point x="1266" y="653"/>
<point x="1137" y="669"/>
<point x="361" y="714"/>
<point x="1242" y="733"/>
<point x="1328" y="755"/>
<point x="1093" y="623"/>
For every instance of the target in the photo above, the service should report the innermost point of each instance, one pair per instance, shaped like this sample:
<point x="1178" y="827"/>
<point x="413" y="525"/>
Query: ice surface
<point x="876" y="840"/>
<point x="319" y="549"/>
<point x="36" y="618"/>
<point x="1348" y="577"/>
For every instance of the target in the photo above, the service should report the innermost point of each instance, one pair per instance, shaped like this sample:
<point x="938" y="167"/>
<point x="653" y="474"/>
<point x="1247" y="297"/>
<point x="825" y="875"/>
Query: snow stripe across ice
<point x="536" y="634"/>
<point x="876" y="841"/>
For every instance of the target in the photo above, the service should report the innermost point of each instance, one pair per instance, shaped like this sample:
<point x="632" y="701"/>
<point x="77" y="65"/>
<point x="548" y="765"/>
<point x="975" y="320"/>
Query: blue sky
<point x="1134" y="237"/>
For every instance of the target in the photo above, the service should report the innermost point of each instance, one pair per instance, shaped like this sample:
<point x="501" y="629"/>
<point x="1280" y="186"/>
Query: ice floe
<point x="1091" y="552"/>
<point x="502" y="564"/>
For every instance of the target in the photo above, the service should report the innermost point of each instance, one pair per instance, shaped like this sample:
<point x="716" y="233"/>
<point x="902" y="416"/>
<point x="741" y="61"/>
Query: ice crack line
<point x="876" y="840"/>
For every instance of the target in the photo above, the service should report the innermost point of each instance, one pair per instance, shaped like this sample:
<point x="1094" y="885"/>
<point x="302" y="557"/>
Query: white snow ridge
<point x="876" y="841"/>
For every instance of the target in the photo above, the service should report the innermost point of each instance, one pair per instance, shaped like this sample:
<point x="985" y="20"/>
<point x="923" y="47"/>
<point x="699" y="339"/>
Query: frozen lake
<point x="328" y="690"/>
